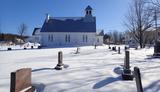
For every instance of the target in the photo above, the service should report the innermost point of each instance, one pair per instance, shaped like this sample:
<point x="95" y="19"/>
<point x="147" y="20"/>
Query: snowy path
<point x="92" y="70"/>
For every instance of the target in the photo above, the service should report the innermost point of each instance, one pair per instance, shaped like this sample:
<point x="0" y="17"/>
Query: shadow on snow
<point x="106" y="81"/>
<point x="153" y="87"/>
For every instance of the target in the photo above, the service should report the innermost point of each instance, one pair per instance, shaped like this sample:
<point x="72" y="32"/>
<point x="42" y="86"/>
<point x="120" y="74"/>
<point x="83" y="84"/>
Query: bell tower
<point x="88" y="11"/>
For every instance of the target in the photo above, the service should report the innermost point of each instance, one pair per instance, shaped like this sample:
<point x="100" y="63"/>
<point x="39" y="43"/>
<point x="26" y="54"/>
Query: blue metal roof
<point x="35" y="30"/>
<point x="88" y="8"/>
<point x="70" y="24"/>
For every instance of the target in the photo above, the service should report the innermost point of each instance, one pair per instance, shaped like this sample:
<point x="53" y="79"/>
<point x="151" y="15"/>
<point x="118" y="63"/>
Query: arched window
<point x="86" y="38"/>
<point x="52" y="37"/>
<point x="87" y="12"/>
<point x="48" y="37"/>
<point x="90" y="12"/>
<point x="83" y="38"/>
<point x="66" y="38"/>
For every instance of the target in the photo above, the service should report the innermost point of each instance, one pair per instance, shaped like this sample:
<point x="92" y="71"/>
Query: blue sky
<point x="109" y="13"/>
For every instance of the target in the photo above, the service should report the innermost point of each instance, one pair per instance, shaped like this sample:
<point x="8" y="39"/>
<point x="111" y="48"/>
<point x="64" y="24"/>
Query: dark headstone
<point x="127" y="61"/>
<point x="20" y="80"/>
<point x="31" y="47"/>
<point x="127" y="74"/>
<point x="137" y="75"/>
<point x="157" y="49"/>
<point x="60" y="61"/>
<point x="109" y="47"/>
<point x="127" y="77"/>
<point x="119" y="50"/>
<point x="9" y="48"/>
<point x="125" y="48"/>
<point x="95" y="46"/>
<point x="113" y="48"/>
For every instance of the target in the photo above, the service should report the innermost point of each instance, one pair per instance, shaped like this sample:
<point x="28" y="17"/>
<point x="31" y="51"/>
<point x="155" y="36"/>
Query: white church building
<point x="70" y="31"/>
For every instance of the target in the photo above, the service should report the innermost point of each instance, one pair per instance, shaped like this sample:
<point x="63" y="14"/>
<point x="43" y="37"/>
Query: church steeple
<point x="88" y="11"/>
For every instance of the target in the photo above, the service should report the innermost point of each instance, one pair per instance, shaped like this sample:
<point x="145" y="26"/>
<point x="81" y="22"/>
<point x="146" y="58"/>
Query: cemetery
<point x="77" y="69"/>
<point x="80" y="46"/>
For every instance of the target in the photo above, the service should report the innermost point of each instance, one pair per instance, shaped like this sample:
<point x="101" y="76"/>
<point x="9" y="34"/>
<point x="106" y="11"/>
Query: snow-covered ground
<point x="92" y="70"/>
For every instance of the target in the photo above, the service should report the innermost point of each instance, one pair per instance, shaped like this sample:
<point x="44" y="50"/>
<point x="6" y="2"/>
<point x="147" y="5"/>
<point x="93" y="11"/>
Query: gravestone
<point x="21" y="80"/>
<point x="60" y="61"/>
<point x="125" y="48"/>
<point x="119" y="50"/>
<point x="31" y="47"/>
<point x="95" y="46"/>
<point x="113" y="48"/>
<point x="109" y="47"/>
<point x="137" y="76"/>
<point x="127" y="74"/>
<point x="9" y="48"/>
<point x="157" y="49"/>
<point x="77" y="51"/>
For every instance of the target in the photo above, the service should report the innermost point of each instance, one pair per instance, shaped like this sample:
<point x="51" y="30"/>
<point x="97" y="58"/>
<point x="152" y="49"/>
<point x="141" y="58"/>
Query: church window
<point x="48" y="37"/>
<point x="83" y="38"/>
<point x="87" y="12"/>
<point x="68" y="38"/>
<point x="86" y="38"/>
<point x="90" y="12"/>
<point x="52" y="38"/>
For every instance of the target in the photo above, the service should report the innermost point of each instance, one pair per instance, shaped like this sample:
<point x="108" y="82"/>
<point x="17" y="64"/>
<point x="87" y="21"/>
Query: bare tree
<point x="139" y="20"/>
<point x="116" y="37"/>
<point x="154" y="2"/>
<point x="121" y="38"/>
<point x="22" y="30"/>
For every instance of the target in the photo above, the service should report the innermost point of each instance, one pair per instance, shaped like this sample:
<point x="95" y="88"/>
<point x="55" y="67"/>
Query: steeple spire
<point x="88" y="11"/>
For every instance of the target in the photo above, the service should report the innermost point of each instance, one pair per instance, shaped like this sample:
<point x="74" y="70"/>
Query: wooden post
<point x="138" y="79"/>
<point x="119" y="50"/>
